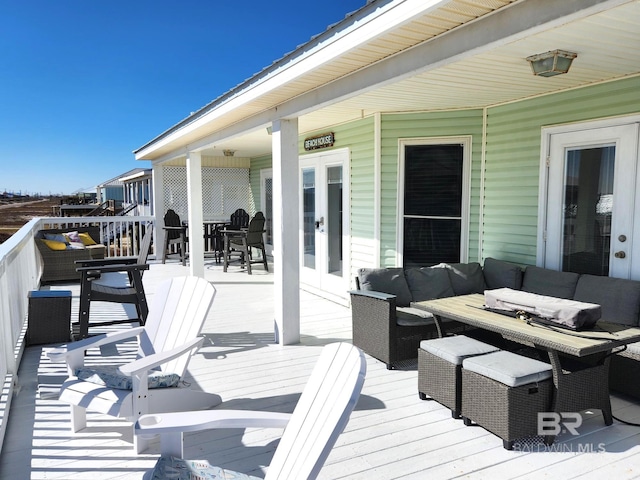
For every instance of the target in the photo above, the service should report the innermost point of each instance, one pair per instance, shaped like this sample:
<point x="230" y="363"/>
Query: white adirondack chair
<point x="310" y="432"/>
<point x="165" y="345"/>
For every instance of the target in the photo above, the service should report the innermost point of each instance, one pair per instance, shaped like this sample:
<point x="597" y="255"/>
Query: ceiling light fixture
<point x="551" y="63"/>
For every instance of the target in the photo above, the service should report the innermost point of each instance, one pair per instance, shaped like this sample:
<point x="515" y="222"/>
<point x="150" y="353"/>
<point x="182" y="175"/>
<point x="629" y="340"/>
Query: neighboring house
<point x="137" y="188"/>
<point x="414" y="132"/>
<point x="112" y="192"/>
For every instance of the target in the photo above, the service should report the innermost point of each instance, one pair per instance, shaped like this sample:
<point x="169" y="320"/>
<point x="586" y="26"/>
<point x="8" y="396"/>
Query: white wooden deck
<point x="391" y="434"/>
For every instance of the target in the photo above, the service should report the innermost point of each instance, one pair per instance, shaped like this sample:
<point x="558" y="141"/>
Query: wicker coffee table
<point x="580" y="384"/>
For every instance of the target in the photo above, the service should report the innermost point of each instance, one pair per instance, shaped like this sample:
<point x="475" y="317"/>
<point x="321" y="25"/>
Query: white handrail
<point x="20" y="271"/>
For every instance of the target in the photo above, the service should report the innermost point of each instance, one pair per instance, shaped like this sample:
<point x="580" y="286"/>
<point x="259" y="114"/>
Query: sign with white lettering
<point x="321" y="141"/>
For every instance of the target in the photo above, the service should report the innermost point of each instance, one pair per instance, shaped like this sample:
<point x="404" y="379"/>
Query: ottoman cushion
<point x="508" y="368"/>
<point x="455" y="349"/>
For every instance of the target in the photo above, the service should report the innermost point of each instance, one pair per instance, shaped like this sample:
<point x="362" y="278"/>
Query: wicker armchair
<point x="376" y="330"/>
<point x="59" y="265"/>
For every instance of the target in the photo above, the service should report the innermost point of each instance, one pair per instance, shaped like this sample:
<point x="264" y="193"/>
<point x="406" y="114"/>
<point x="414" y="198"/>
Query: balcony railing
<point x="20" y="270"/>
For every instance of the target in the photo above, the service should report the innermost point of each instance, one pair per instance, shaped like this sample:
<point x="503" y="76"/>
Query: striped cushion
<point x="111" y="377"/>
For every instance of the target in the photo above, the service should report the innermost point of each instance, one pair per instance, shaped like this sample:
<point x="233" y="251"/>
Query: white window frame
<point x="466" y="142"/>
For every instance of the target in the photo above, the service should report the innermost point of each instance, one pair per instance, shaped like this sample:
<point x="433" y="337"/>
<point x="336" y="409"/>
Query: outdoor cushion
<point x="619" y="298"/>
<point x="465" y="277"/>
<point x="56" y="237"/>
<point x="72" y="237"/>
<point x="387" y="280"/>
<point x="456" y="348"/>
<point x="110" y="376"/>
<point x="413" y="317"/>
<point x="508" y="368"/>
<point x="86" y="239"/>
<point x="427" y="283"/>
<point x="55" y="245"/>
<point x="179" y="469"/>
<point x="549" y="282"/>
<point x="498" y="274"/>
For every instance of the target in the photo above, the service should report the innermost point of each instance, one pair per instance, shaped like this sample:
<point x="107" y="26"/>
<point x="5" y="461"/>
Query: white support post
<point x="286" y="223"/>
<point x="158" y="209"/>
<point x="196" y="227"/>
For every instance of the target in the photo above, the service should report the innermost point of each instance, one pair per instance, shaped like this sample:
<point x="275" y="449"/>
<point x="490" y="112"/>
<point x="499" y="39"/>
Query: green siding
<point x="425" y="125"/>
<point x="258" y="164"/>
<point x="512" y="169"/>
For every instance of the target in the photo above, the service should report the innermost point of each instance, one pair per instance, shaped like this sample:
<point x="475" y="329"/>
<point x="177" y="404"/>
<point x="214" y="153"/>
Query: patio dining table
<point x="581" y="380"/>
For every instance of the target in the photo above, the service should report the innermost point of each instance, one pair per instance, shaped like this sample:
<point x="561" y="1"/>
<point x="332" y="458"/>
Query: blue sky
<point x="83" y="83"/>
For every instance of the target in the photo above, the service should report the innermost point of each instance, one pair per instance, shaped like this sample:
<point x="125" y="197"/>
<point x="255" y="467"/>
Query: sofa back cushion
<point x="619" y="298"/>
<point x="550" y="282"/>
<point x="501" y="274"/>
<point x="465" y="277"/>
<point x="387" y="280"/>
<point x="427" y="283"/>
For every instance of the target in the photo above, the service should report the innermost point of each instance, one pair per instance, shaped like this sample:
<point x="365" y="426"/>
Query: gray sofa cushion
<point x="500" y="274"/>
<point x="465" y="277"/>
<point x="388" y="280"/>
<point x="413" y="317"/>
<point x="549" y="282"/>
<point x="427" y="283"/>
<point x="619" y="298"/>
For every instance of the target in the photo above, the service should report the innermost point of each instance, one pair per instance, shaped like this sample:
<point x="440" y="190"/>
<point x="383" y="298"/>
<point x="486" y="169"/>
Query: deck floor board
<point x="391" y="434"/>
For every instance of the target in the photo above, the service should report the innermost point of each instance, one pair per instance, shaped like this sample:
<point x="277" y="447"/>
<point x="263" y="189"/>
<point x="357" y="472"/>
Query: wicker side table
<point x="49" y="317"/>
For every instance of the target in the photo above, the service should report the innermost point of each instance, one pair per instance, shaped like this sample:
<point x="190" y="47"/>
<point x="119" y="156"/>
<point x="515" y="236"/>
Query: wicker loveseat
<point x="59" y="265"/>
<point x="376" y="314"/>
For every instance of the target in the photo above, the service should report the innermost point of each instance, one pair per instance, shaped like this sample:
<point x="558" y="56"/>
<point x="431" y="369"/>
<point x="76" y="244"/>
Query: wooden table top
<point x="469" y="309"/>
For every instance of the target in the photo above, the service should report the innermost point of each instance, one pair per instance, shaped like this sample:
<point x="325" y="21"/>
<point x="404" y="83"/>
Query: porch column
<point x="286" y="250"/>
<point x="158" y="209"/>
<point x="196" y="228"/>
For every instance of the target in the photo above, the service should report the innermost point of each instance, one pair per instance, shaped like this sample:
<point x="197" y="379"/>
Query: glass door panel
<point x="334" y="220"/>
<point x="587" y="211"/>
<point x="308" y="217"/>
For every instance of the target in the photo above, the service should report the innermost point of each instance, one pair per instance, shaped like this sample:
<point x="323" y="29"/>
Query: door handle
<point x="320" y="222"/>
<point x="620" y="254"/>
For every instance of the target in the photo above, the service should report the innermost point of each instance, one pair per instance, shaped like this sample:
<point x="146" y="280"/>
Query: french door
<point x="592" y="201"/>
<point x="325" y="222"/>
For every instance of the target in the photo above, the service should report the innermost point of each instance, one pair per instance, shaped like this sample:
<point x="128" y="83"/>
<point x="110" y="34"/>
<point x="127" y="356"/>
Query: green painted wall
<point x="257" y="164"/>
<point x="425" y="125"/>
<point x="512" y="169"/>
<point x="505" y="212"/>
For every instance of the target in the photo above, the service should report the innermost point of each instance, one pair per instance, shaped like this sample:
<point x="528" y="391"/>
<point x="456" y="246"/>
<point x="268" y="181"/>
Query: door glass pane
<point x="432" y="204"/>
<point x="308" y="217"/>
<point x="587" y="210"/>
<point x="333" y="222"/>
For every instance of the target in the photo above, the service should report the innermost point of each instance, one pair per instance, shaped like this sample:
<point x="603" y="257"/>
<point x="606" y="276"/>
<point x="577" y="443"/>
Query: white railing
<point x="20" y="270"/>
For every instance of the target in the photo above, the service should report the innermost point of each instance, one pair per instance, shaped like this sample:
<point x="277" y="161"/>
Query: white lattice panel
<point x="224" y="190"/>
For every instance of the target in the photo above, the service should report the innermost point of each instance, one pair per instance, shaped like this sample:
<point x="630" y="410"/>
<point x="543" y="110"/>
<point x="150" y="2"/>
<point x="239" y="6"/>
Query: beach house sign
<point x="321" y="141"/>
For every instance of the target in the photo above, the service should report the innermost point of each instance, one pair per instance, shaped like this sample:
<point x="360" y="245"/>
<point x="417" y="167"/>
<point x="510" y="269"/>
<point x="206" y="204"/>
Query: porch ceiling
<point x="607" y="43"/>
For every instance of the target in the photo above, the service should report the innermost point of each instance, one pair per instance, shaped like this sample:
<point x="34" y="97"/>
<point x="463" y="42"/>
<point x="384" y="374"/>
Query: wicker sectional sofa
<point x="59" y="265"/>
<point x="381" y="305"/>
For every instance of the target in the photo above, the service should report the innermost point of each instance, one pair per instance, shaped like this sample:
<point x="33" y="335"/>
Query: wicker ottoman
<point x="504" y="392"/>
<point x="49" y="316"/>
<point x="439" y="368"/>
